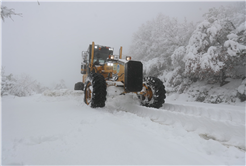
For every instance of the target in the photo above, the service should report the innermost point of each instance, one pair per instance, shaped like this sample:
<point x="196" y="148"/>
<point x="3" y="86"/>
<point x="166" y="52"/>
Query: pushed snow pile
<point x="222" y="123"/>
<point x="230" y="93"/>
<point x="62" y="92"/>
<point x="115" y="97"/>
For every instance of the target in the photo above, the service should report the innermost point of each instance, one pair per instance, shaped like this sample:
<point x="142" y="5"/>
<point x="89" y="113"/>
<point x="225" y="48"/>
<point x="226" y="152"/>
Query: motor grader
<point x="101" y="68"/>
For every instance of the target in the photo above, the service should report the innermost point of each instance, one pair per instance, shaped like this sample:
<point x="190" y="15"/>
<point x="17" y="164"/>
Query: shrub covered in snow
<point x="217" y="48"/>
<point x="23" y="85"/>
<point x="181" y="53"/>
<point x="159" y="37"/>
<point x="60" y="85"/>
<point x="7" y="82"/>
<point x="153" y="66"/>
<point x="241" y="91"/>
<point x="213" y="93"/>
<point x="178" y="57"/>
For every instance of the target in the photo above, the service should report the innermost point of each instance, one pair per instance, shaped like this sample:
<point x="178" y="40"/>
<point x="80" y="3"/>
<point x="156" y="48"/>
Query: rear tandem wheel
<point x="153" y="93"/>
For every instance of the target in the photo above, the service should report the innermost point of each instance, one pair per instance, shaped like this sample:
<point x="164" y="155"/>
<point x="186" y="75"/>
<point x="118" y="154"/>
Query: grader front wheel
<point x="153" y="93"/>
<point x="95" y="91"/>
<point x="88" y="93"/>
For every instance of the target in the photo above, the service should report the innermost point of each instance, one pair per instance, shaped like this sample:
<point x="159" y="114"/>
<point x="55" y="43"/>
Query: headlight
<point x="111" y="49"/>
<point x="128" y="58"/>
<point x="111" y="57"/>
<point x="96" y="47"/>
<point x="110" y="64"/>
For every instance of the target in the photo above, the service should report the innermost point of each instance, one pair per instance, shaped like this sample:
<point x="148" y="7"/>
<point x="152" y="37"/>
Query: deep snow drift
<point x="58" y="128"/>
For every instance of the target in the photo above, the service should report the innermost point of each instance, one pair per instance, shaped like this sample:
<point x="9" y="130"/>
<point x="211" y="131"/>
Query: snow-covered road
<point x="45" y="130"/>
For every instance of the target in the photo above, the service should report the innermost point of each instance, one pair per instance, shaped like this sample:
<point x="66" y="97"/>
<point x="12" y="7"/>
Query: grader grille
<point x="133" y="76"/>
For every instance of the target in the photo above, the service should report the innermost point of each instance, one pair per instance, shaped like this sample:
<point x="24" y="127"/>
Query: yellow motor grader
<point x="101" y="68"/>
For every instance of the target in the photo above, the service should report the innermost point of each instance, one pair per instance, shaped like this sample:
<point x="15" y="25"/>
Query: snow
<point x="57" y="128"/>
<point x="204" y="53"/>
<point x="204" y="24"/>
<point x="154" y="62"/>
<point x="205" y="92"/>
<point x="241" y="27"/>
<point x="242" y="88"/>
<point x="233" y="47"/>
<point x="232" y="36"/>
<point x="214" y="29"/>
<point x="123" y="60"/>
<point x="178" y="55"/>
<point x="207" y="60"/>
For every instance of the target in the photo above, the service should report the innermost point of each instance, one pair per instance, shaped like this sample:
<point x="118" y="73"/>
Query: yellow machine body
<point x="101" y="68"/>
<point x="113" y="68"/>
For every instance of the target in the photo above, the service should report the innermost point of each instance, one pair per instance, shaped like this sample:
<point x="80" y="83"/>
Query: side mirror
<point x="84" y="56"/>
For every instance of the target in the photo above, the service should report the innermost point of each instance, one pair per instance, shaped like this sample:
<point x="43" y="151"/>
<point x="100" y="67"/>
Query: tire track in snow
<point x="234" y="116"/>
<point x="208" y="120"/>
<point x="223" y="125"/>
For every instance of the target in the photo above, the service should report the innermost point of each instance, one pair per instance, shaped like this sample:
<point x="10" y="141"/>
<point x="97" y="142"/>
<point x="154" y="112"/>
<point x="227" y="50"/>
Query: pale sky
<point x="46" y="42"/>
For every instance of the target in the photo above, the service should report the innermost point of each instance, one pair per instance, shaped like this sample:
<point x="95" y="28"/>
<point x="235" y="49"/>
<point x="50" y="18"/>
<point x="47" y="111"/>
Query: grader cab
<point x="101" y="68"/>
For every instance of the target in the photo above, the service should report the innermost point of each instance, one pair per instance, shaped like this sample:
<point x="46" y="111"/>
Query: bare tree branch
<point x="7" y="13"/>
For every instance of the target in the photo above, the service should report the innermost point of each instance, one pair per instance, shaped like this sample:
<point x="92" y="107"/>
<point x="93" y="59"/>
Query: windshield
<point x="101" y="53"/>
<point x="100" y="60"/>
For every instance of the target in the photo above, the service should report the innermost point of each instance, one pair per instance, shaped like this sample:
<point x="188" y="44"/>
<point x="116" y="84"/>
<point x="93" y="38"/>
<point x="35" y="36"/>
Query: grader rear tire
<point x="95" y="91"/>
<point x="153" y="93"/>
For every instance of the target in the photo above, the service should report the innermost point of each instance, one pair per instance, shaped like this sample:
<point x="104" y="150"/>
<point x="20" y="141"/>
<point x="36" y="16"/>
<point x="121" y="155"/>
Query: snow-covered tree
<point x="7" y="13"/>
<point x="175" y="78"/>
<point x="60" y="85"/>
<point x="23" y="85"/>
<point x="217" y="47"/>
<point x="7" y="82"/>
<point x="178" y="57"/>
<point x="158" y="38"/>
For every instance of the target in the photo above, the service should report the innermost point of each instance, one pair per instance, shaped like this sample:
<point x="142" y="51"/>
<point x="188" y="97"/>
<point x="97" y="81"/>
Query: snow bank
<point x="201" y="91"/>
<point x="201" y="118"/>
<point x="241" y="91"/>
<point x="62" y="92"/>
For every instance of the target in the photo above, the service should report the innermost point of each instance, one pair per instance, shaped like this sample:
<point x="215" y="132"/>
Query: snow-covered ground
<point x="58" y="128"/>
